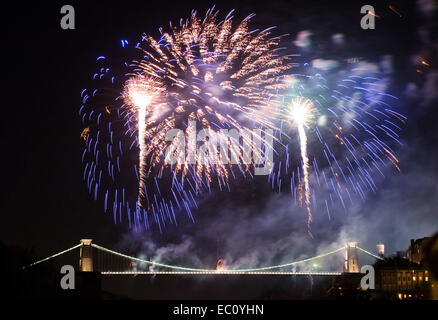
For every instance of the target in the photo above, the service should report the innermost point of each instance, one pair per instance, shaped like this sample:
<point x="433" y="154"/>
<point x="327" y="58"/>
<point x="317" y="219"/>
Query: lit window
<point x="414" y="278"/>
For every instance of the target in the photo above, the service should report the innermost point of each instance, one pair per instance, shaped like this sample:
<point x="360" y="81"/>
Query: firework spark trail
<point x="305" y="160"/>
<point x="142" y="158"/>
<point x="141" y="93"/>
<point x="301" y="113"/>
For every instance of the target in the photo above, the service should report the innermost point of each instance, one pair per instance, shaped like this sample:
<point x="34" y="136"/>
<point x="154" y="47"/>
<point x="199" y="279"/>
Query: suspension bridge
<point x="93" y="257"/>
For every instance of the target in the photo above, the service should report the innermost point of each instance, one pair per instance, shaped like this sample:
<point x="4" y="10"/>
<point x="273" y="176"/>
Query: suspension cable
<point x="52" y="256"/>
<point x="369" y="253"/>
<point x="214" y="270"/>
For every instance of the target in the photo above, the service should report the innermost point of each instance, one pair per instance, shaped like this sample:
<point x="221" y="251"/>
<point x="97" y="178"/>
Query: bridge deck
<point x="220" y="273"/>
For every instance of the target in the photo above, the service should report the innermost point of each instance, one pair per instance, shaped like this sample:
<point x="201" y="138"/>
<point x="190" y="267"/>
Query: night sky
<point x="45" y="202"/>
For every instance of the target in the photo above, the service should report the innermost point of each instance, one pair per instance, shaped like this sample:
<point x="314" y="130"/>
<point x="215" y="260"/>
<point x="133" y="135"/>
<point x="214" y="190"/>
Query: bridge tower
<point x="86" y="256"/>
<point x="351" y="263"/>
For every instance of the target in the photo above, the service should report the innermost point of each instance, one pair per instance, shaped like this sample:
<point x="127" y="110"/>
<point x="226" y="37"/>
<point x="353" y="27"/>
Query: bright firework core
<point x="139" y="92"/>
<point x="301" y="111"/>
<point x="140" y="98"/>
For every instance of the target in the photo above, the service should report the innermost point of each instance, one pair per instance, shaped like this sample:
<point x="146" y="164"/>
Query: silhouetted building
<point x="401" y="278"/>
<point x="398" y="278"/>
<point x="430" y="261"/>
<point x="415" y="252"/>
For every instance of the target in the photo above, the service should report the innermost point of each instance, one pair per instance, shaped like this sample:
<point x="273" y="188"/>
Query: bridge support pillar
<point x="351" y="263"/>
<point x="86" y="256"/>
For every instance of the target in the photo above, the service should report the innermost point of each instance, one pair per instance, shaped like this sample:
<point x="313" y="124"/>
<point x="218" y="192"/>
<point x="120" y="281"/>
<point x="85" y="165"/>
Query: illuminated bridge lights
<point x="220" y="273"/>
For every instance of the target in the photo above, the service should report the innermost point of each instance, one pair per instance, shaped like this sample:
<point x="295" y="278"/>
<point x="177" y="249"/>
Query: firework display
<point x="347" y="132"/>
<point x="203" y="76"/>
<point x="248" y="150"/>
<point x="158" y="128"/>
